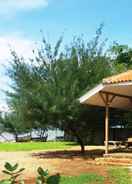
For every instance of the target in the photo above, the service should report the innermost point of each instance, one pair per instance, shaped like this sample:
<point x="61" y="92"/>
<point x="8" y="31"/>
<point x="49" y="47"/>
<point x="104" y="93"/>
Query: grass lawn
<point x="120" y="176"/>
<point x="82" y="179"/>
<point x="116" y="176"/>
<point x="29" y="146"/>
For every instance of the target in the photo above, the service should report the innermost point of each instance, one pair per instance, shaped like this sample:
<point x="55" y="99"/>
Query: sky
<point x="23" y="22"/>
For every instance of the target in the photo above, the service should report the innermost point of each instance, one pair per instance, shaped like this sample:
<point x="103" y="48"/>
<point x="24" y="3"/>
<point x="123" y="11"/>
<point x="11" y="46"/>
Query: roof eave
<point x="98" y="88"/>
<point x="91" y="93"/>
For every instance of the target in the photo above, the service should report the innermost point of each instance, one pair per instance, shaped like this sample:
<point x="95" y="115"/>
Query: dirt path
<point x="25" y="160"/>
<point x="64" y="164"/>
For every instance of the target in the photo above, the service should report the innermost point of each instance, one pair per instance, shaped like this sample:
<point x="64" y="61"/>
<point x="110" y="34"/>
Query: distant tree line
<point x="46" y="88"/>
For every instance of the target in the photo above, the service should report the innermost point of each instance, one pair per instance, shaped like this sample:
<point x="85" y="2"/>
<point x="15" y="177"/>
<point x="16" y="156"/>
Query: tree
<point x="26" y="96"/>
<point x="122" y="57"/>
<point x="47" y="88"/>
<point x="82" y="67"/>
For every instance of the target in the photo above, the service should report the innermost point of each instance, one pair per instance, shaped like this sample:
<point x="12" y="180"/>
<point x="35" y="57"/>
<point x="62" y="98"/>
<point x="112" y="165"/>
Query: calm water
<point x="52" y="134"/>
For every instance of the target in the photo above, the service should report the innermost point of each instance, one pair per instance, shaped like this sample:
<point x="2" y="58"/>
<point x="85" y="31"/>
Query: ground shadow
<point x="92" y="154"/>
<point x="71" y="154"/>
<point x="55" y="179"/>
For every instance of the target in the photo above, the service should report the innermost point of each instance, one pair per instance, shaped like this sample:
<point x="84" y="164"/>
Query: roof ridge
<point x="117" y="78"/>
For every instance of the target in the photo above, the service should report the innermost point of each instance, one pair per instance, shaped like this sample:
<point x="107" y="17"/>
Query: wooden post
<point x="106" y="125"/>
<point x="107" y="99"/>
<point x="106" y="128"/>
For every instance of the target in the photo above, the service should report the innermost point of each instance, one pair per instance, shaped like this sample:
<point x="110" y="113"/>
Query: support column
<point x="106" y="128"/>
<point x="107" y="99"/>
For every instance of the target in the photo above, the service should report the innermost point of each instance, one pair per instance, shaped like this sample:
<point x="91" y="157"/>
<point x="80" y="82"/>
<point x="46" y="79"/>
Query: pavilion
<point x="115" y="92"/>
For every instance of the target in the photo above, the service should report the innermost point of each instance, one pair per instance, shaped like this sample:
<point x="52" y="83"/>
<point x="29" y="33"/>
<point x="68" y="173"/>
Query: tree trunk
<point x="79" y="140"/>
<point x="16" y="137"/>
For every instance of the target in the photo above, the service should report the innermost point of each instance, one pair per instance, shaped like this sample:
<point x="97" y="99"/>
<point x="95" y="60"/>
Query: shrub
<point x="42" y="176"/>
<point x="13" y="172"/>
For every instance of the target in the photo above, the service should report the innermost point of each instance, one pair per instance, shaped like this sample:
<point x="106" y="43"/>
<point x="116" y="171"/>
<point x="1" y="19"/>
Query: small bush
<point x="42" y="176"/>
<point x="13" y="172"/>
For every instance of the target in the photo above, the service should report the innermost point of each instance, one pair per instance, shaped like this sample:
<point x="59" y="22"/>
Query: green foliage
<point x="122" y="57"/>
<point x="13" y="172"/>
<point x="5" y="182"/>
<point x="10" y="124"/>
<point x="45" y="91"/>
<point x="42" y="176"/>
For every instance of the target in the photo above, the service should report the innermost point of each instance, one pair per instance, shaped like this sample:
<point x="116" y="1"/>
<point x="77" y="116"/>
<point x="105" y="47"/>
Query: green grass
<point x="116" y="176"/>
<point x="120" y="176"/>
<point x="30" y="146"/>
<point x="82" y="179"/>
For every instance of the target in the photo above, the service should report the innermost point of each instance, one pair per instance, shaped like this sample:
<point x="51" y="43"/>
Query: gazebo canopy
<point x="114" y="91"/>
<point x="119" y="89"/>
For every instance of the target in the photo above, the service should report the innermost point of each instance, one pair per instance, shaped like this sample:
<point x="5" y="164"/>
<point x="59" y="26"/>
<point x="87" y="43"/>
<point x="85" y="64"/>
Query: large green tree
<point x="46" y="89"/>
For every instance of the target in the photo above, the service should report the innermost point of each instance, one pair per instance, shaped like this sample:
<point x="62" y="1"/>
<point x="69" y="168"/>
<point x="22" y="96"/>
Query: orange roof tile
<point x="122" y="77"/>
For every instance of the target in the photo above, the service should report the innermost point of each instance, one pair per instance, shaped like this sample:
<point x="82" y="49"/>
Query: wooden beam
<point x="109" y="100"/>
<point x="116" y="94"/>
<point x="112" y="98"/>
<point x="102" y="97"/>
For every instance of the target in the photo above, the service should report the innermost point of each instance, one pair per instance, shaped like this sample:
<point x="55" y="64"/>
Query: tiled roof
<point x="122" y="77"/>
